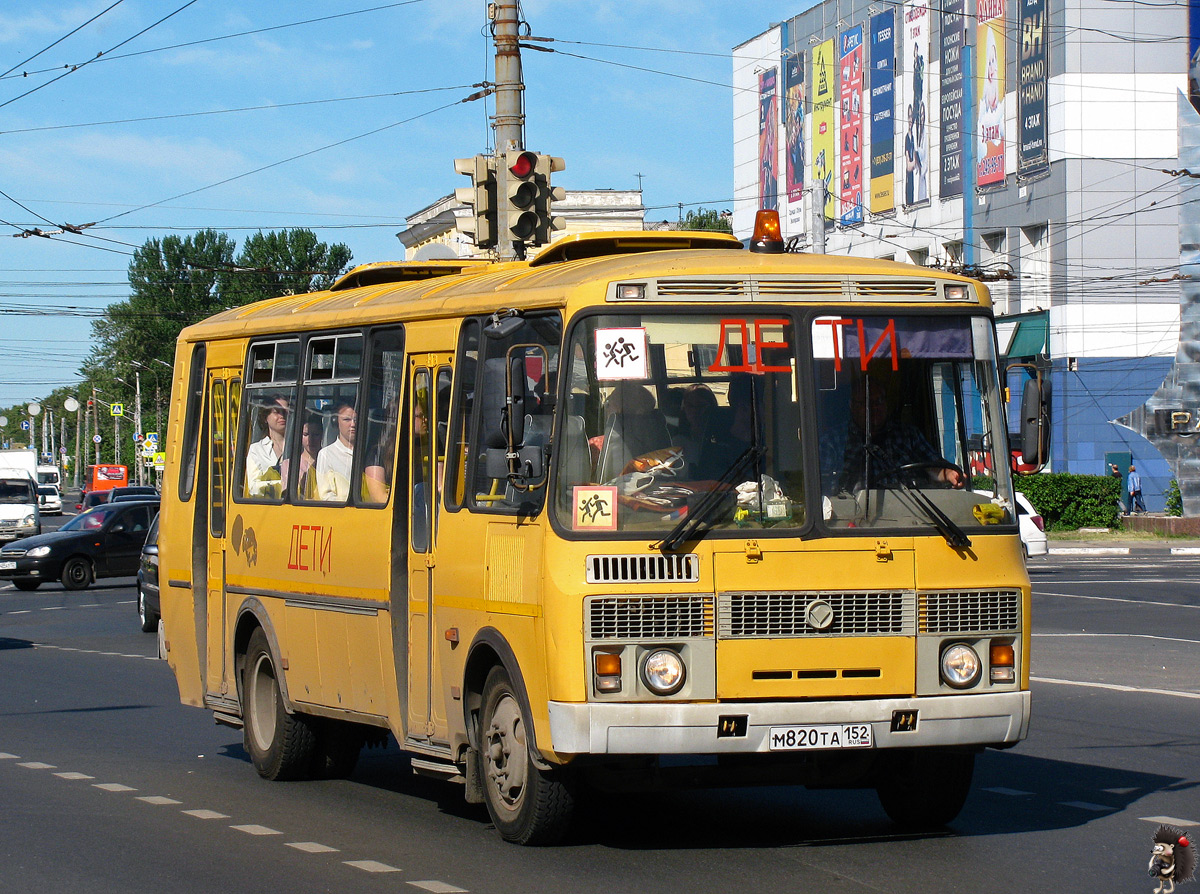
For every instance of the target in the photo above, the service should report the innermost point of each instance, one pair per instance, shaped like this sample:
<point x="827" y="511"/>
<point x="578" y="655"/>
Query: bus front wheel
<point x="925" y="788"/>
<point x="280" y="744"/>
<point x="527" y="805"/>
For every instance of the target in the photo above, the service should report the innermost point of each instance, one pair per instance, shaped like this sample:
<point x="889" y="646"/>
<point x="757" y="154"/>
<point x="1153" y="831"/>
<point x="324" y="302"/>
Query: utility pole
<point x="818" y="216"/>
<point x="509" y="122"/>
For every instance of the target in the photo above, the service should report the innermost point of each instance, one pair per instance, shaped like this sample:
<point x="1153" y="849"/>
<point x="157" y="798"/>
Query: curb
<point x="1092" y="551"/>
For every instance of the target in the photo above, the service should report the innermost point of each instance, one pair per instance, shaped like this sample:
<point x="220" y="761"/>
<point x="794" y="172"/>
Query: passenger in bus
<point x="311" y="437"/>
<point x="728" y="437"/>
<point x="264" y="460"/>
<point x="377" y="476"/>
<point x="633" y="426"/>
<point x="335" y="461"/>
<point x="697" y="412"/>
<point x="878" y="442"/>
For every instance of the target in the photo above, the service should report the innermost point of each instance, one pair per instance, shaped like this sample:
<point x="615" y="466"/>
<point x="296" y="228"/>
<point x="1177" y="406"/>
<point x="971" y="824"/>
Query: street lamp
<point x="71" y="405"/>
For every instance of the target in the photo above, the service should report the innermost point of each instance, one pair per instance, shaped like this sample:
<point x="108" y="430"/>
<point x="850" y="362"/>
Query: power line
<point x="61" y="39"/>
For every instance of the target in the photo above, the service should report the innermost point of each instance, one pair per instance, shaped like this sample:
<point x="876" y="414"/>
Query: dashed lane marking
<point x="206" y="814"/>
<point x="114" y="787"/>
<point x="1170" y="820"/>
<point x="312" y="847"/>
<point x="36" y="765"/>
<point x="371" y="866"/>
<point x="1088" y="805"/>
<point x="1038" y="592"/>
<point x="73" y="776"/>
<point x="1116" y="687"/>
<point x="1011" y="792"/>
<point x="94" y="652"/>
<point x="5" y="756"/>
<point x="1163" y="639"/>
<point x="158" y="800"/>
<point x="255" y="829"/>
<point x="438" y="887"/>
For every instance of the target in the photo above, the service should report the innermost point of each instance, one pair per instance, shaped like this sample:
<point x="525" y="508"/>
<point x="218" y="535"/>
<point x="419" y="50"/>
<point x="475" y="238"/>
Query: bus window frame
<point x="197" y="378"/>
<point x="457" y="434"/>
<point x="370" y="348"/>
<point x="249" y="389"/>
<point x="305" y="384"/>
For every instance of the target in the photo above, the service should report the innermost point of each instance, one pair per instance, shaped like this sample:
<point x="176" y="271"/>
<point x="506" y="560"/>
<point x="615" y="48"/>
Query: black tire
<point x="527" y="805"/>
<point x="77" y="573"/>
<point x="925" y="788"/>
<point x="335" y="754"/>
<point x="280" y="744"/>
<point x="26" y="583"/>
<point x="146" y="615"/>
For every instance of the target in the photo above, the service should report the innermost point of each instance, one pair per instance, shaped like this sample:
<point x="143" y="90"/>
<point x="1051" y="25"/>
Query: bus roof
<point x="679" y="265"/>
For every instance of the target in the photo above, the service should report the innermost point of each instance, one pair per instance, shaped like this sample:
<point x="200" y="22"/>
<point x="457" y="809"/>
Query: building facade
<point x="1033" y="143"/>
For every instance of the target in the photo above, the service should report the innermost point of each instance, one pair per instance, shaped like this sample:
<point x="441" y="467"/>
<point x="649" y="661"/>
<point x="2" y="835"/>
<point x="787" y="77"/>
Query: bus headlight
<point x="663" y="672"/>
<point x="961" y="667"/>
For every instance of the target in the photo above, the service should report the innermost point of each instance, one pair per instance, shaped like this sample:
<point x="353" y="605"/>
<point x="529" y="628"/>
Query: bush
<point x="1067" y="502"/>
<point x="1174" y="499"/>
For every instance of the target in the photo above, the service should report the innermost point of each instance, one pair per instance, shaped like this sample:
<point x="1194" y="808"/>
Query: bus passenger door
<point x="429" y="378"/>
<point x="224" y="394"/>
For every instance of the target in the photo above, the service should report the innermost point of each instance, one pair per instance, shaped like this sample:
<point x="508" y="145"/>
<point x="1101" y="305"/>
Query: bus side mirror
<point x="1035" y="423"/>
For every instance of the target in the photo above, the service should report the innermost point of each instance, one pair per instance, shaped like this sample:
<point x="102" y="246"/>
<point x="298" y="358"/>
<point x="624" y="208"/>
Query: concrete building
<point x="1028" y="142"/>
<point x="432" y="232"/>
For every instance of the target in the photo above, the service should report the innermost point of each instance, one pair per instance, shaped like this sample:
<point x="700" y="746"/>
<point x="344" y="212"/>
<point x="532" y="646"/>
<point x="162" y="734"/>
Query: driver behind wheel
<point x="879" y="443"/>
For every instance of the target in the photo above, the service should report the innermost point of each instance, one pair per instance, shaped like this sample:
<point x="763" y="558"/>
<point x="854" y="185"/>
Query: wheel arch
<point x="252" y="615"/>
<point x="489" y="649"/>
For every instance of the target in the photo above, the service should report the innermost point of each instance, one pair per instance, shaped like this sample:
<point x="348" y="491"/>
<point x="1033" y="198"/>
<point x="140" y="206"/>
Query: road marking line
<point x="1119" y="791"/>
<point x="438" y="887"/>
<point x="205" y="814"/>
<point x="312" y="847"/>
<point x="1012" y="792"/>
<point x="255" y="829"/>
<point x="5" y="756"/>
<point x="1168" y="639"/>
<point x="1116" y="599"/>
<point x="24" y="611"/>
<point x="158" y="800"/>
<point x="371" y="866"/>
<point x="74" y="776"/>
<point x="114" y="787"/>
<point x="1090" y="551"/>
<point x="1116" y="687"/>
<point x="1087" y="805"/>
<point x="52" y="608"/>
<point x="37" y="765"/>
<point x="1170" y="820"/>
<point x="1185" y="550"/>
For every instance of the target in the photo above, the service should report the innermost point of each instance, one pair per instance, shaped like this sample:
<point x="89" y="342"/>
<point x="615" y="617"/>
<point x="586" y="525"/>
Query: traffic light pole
<point x="509" y="123"/>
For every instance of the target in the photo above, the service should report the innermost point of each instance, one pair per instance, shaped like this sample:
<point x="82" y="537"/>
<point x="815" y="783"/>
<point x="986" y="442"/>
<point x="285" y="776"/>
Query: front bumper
<point x="42" y="568"/>
<point x="998" y="718"/>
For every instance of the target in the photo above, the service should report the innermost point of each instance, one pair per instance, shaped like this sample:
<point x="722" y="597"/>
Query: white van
<point x="19" y="513"/>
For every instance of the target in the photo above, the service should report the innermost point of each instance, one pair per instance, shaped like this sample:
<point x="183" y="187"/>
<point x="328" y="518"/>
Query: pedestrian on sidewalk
<point x="1116" y="473"/>
<point x="1135" y="492"/>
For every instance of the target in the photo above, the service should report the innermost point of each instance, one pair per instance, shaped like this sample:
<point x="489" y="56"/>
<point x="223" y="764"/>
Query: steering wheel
<point x="927" y="465"/>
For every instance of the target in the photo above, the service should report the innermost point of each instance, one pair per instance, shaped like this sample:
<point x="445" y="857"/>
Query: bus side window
<point x="191" y="424"/>
<point x="422" y="487"/>
<point x="266" y="434"/>
<point x="383" y="415"/>
<point x="462" y="405"/>
<point x="331" y="400"/>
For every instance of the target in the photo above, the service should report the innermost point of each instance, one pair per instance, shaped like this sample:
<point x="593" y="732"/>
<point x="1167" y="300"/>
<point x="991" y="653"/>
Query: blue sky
<point x="652" y="97"/>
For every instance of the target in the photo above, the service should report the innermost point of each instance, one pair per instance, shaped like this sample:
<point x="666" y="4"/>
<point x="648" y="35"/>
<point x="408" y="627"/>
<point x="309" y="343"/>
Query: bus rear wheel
<point x="280" y="744"/>
<point x="528" y="805"/>
<point x="925" y="788"/>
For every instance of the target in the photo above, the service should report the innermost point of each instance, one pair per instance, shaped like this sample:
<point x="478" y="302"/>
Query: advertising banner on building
<point x="989" y="92"/>
<point x="951" y="182"/>
<point x="823" y="160"/>
<point x="850" y="83"/>
<point x="793" y="132"/>
<point x="915" y="114"/>
<point x="1033" y="154"/>
<point x="768" y="148"/>
<point x="883" y="112"/>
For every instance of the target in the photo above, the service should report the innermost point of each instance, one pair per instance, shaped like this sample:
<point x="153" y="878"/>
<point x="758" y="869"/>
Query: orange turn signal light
<point x="1002" y="655"/>
<point x="608" y="664"/>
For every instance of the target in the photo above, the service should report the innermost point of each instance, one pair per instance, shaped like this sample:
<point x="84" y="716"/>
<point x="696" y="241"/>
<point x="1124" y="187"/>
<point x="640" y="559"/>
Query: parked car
<point x="1030" y="525"/>
<point x="103" y="542"/>
<point x="148" y="605"/>
<point x="49" y="499"/>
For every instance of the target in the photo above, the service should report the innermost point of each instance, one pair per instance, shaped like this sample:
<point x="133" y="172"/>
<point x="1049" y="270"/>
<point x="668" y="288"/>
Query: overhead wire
<point x="76" y="30"/>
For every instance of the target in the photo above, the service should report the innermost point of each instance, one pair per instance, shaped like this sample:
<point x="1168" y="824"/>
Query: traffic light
<point x="529" y="195"/>
<point x="481" y="196"/>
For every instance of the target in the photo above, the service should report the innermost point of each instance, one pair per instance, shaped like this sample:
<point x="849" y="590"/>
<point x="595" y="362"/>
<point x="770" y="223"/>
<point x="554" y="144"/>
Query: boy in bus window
<point x="264" y="458"/>
<point x="334" y="462"/>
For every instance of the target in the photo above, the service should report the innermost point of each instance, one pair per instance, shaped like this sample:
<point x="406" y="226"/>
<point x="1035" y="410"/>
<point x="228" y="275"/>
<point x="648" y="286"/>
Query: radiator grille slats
<point x="650" y="617"/>
<point x="751" y="615"/>
<point x="738" y="289"/>
<point x="970" y="611"/>
<point x="651" y="569"/>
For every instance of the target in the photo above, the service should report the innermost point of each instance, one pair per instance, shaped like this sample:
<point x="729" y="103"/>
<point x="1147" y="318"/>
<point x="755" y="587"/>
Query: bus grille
<point x="797" y="289"/>
<point x="750" y="615"/>
<point x="650" y="617"/>
<point x="643" y="569"/>
<point x="969" y="611"/>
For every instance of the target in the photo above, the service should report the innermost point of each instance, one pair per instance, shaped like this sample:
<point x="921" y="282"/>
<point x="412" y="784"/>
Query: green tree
<point x="704" y="219"/>
<point x="288" y="262"/>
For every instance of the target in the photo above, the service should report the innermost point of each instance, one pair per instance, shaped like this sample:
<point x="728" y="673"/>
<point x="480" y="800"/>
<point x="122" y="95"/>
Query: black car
<point x="103" y="542"/>
<point x="147" y="601"/>
<point x="92" y="499"/>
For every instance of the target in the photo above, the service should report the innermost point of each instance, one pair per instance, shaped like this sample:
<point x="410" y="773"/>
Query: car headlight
<point x="961" y="667"/>
<point x="38" y="551"/>
<point x="29" y="521"/>
<point x="663" y="671"/>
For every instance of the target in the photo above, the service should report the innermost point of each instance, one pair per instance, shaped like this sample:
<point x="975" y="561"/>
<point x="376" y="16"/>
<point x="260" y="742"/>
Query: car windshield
<point x="91" y="520"/>
<point x="48" y="491"/>
<point x="16" y="491"/>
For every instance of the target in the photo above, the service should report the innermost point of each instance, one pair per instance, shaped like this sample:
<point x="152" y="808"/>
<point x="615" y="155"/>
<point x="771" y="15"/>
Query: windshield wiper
<point x="714" y="498"/>
<point x="946" y="526"/>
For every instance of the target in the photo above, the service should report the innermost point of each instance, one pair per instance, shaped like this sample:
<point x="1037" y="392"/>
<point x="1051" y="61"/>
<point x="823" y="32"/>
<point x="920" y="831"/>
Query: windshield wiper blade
<point x="946" y="526"/>
<point x="698" y="516"/>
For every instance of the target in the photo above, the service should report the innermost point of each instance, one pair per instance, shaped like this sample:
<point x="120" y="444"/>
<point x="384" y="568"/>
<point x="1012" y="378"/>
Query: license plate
<point x="8" y="566"/>
<point x="830" y="735"/>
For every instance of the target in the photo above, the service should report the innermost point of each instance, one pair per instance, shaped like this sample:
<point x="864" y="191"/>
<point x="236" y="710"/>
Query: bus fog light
<point x="663" y="672"/>
<point x="961" y="667"/>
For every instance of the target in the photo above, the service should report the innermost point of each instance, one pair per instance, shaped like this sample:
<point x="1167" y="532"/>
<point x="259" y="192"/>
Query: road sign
<point x="116" y="409"/>
<point x="160" y="461"/>
<point x="95" y="439"/>
<point x="152" y="437"/>
<point x="24" y="425"/>
<point x="148" y="450"/>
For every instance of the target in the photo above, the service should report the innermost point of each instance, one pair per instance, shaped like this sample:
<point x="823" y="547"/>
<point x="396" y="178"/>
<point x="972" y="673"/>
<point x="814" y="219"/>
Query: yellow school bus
<point x="644" y="507"/>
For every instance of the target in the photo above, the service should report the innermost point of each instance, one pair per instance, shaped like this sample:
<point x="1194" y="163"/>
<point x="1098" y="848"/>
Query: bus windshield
<point x="669" y="415"/>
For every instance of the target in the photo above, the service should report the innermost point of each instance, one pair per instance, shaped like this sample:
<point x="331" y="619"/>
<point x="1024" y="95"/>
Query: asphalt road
<point x="108" y="784"/>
